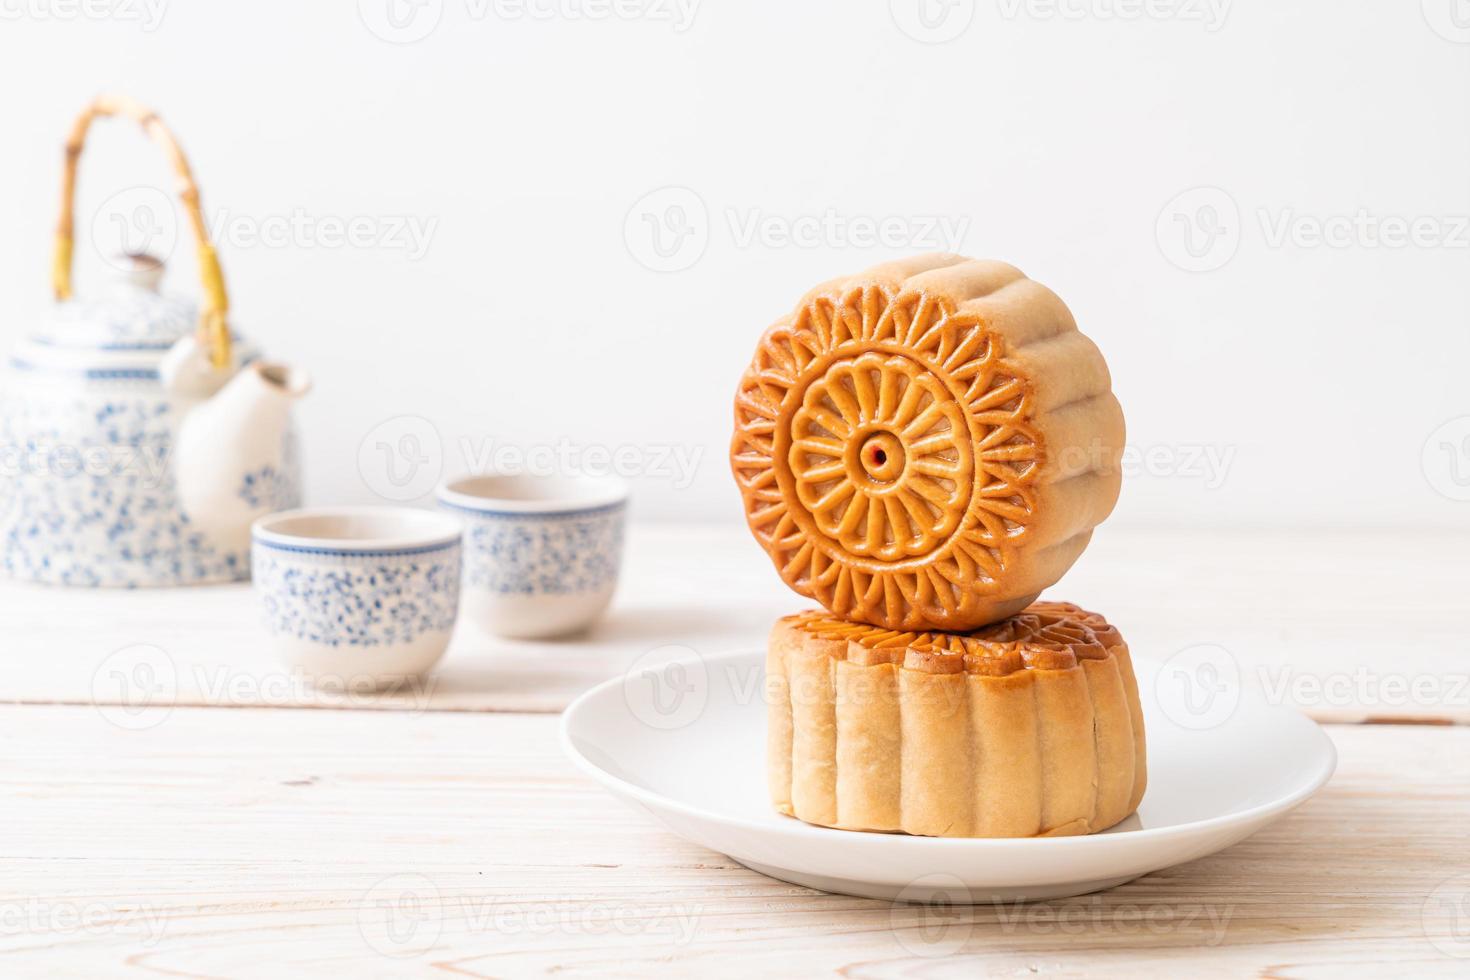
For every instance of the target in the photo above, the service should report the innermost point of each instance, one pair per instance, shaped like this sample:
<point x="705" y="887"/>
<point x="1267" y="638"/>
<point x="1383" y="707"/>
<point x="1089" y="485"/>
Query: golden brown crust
<point x="1030" y="727"/>
<point x="1044" y="636"/>
<point x="928" y="444"/>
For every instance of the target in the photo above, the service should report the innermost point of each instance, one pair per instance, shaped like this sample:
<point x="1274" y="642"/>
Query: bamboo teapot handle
<point x="214" y="331"/>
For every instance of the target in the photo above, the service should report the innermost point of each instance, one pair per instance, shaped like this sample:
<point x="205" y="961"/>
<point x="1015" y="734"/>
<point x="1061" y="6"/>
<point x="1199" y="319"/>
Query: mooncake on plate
<point x="1030" y="727"/>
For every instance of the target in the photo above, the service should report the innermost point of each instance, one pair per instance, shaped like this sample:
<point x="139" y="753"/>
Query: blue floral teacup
<point x="364" y="596"/>
<point x="541" y="554"/>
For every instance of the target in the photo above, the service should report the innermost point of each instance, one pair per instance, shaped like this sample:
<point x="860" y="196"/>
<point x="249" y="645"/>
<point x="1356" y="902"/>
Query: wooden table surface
<point x="173" y="811"/>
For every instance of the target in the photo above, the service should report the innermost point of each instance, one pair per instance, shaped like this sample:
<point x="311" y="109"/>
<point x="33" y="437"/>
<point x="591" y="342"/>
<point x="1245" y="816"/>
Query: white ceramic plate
<point x="685" y="741"/>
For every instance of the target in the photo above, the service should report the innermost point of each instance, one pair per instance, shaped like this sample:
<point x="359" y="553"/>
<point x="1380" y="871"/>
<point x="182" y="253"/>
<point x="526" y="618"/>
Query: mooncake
<point x="1030" y="727"/>
<point x="926" y="445"/>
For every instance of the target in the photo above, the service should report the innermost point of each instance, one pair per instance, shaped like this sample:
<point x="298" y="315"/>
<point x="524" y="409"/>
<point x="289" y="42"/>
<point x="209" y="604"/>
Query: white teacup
<point x="360" y="595"/>
<point x="541" y="553"/>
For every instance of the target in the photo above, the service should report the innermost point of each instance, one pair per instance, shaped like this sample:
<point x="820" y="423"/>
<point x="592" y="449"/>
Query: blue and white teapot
<point x="138" y="438"/>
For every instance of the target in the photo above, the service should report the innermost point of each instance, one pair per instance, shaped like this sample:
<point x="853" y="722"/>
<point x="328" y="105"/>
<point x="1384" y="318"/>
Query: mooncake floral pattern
<point x="887" y="454"/>
<point x="542" y="554"/>
<point x="338" y="599"/>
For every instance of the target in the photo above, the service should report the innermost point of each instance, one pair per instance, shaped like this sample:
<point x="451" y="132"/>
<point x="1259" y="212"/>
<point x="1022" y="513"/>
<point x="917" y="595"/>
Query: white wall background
<point x="1312" y="375"/>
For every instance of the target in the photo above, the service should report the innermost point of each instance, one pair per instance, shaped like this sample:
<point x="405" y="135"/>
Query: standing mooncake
<point x="928" y="444"/>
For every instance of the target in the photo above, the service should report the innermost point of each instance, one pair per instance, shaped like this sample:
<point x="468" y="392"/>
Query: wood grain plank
<point x="1358" y="627"/>
<point x="255" y="843"/>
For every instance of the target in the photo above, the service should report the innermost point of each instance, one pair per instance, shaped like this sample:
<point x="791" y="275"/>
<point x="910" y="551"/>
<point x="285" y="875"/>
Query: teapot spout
<point x="234" y="459"/>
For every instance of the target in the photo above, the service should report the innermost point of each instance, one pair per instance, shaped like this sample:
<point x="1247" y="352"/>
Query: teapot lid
<point x="128" y="314"/>
<point x="121" y="334"/>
